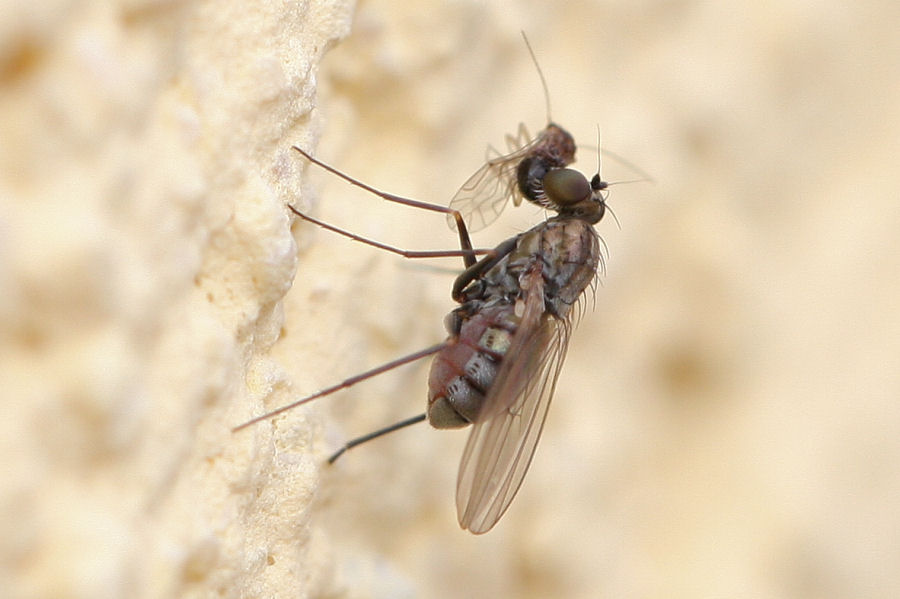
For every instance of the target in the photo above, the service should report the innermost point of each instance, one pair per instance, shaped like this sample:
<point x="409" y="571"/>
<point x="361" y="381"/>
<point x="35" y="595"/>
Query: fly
<point x="508" y="342"/>
<point x="516" y="175"/>
<point x="518" y="303"/>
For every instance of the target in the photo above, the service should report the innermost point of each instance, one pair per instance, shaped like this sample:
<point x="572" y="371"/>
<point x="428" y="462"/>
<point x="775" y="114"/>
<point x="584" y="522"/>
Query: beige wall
<point x="727" y="422"/>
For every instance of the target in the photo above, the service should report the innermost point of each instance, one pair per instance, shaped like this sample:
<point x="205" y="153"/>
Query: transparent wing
<point x="485" y="194"/>
<point x="483" y="197"/>
<point x="503" y="440"/>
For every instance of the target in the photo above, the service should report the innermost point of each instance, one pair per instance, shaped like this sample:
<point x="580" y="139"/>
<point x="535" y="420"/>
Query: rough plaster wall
<point x="144" y="168"/>
<point x="726" y="424"/>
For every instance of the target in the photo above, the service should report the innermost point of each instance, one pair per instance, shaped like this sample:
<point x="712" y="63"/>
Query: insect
<point x="508" y="341"/>
<point x="508" y="178"/>
<point x="518" y="303"/>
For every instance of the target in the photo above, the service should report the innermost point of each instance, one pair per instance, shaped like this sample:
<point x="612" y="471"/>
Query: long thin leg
<point x="490" y="259"/>
<point x="348" y="383"/>
<point x="382" y="246"/>
<point x="374" y="435"/>
<point x="465" y="242"/>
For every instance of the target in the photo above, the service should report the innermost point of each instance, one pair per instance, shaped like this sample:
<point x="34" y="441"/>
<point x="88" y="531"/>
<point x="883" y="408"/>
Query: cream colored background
<point x="727" y="424"/>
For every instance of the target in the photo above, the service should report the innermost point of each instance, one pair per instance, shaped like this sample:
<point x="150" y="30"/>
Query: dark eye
<point x="565" y="186"/>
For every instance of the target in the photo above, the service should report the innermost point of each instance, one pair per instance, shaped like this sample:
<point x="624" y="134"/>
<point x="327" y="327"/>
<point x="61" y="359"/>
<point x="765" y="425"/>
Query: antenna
<point x="541" y="75"/>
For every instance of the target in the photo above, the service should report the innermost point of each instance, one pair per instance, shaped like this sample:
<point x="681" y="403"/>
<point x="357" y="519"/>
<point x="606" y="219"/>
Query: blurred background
<point x="727" y="422"/>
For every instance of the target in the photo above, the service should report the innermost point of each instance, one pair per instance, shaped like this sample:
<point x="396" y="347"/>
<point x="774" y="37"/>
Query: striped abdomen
<point x="462" y="373"/>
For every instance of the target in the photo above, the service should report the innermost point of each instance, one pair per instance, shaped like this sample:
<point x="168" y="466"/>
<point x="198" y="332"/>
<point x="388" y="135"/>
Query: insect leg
<point x="375" y="434"/>
<point x="465" y="242"/>
<point x="474" y="271"/>
<point x="382" y="246"/>
<point x="347" y="383"/>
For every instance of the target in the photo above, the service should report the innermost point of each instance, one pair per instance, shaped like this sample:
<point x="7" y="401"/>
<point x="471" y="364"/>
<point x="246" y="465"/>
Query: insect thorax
<point x="483" y="327"/>
<point x="554" y="149"/>
<point x="569" y="252"/>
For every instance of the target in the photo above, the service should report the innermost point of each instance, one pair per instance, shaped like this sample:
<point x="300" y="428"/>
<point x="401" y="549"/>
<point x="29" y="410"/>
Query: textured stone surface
<point x="145" y="253"/>
<point x="726" y="423"/>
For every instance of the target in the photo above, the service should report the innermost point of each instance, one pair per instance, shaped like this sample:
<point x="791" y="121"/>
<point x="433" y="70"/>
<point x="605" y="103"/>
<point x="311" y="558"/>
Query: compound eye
<point x="565" y="186"/>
